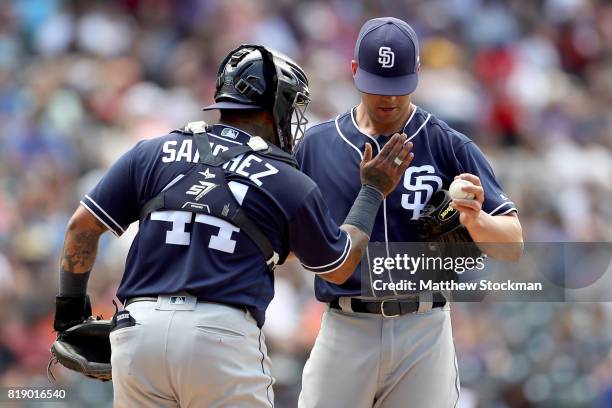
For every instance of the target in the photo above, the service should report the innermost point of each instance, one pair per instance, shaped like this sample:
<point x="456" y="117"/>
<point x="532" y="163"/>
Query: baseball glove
<point x="439" y="223"/>
<point x="85" y="348"/>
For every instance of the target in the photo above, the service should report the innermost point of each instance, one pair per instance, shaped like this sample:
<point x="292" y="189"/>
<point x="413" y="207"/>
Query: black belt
<point x="140" y="299"/>
<point x="388" y="308"/>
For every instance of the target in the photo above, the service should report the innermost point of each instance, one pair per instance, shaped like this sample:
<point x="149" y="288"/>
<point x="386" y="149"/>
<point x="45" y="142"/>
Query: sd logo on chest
<point x="421" y="182"/>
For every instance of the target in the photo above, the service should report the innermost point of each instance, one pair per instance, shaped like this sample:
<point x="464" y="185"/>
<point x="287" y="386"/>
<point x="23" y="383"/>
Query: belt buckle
<point x="382" y="310"/>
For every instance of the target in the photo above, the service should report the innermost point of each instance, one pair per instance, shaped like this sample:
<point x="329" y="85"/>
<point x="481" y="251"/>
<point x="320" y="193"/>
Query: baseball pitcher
<point x="398" y="352"/>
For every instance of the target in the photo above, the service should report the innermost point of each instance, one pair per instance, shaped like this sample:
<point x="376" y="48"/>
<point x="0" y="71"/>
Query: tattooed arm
<point x="81" y="241"/>
<point x="79" y="253"/>
<point x="72" y="305"/>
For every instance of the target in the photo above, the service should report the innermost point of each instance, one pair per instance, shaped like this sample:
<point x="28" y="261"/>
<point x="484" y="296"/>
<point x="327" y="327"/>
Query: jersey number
<point x="178" y="236"/>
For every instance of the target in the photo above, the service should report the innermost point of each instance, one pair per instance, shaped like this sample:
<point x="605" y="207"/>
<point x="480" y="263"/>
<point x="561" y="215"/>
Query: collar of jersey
<point x="411" y="126"/>
<point x="350" y="131"/>
<point x="232" y="135"/>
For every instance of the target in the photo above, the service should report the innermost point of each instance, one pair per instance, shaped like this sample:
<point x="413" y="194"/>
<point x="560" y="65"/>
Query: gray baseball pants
<point x="190" y="355"/>
<point x="364" y="360"/>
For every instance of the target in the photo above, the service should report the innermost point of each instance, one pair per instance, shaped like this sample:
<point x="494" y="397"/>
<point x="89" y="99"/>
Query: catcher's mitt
<point x="439" y="222"/>
<point x="85" y="348"/>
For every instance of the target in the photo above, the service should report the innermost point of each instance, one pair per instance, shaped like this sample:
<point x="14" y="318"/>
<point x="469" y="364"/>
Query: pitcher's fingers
<point x="471" y="178"/>
<point x="478" y="191"/>
<point x="461" y="204"/>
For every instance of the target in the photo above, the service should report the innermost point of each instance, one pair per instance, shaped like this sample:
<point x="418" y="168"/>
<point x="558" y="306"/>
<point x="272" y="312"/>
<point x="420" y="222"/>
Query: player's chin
<point x="387" y="115"/>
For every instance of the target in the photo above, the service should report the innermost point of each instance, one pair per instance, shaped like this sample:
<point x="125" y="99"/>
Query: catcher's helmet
<point x="254" y="77"/>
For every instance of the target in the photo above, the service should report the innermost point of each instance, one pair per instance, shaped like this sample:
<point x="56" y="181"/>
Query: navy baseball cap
<point x="387" y="55"/>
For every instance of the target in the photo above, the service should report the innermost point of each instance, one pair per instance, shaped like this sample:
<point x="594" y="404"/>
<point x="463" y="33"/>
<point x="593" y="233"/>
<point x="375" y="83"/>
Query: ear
<point x="354" y="67"/>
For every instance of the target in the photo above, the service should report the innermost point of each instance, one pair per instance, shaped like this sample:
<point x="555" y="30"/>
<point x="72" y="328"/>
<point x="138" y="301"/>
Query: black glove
<point x="439" y="223"/>
<point x="70" y="311"/>
<point x="85" y="348"/>
<point x="83" y="343"/>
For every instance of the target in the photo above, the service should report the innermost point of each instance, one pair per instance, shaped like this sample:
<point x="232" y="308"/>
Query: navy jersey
<point x="332" y="151"/>
<point x="205" y="256"/>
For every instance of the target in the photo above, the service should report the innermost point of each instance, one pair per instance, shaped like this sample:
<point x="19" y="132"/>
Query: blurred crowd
<point x="81" y="81"/>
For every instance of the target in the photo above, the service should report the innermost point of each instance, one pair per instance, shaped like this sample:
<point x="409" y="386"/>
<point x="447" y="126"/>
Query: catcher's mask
<point x="255" y="77"/>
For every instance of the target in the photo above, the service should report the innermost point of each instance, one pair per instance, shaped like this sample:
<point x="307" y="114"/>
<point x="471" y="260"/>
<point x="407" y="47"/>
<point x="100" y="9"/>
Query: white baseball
<point x="455" y="190"/>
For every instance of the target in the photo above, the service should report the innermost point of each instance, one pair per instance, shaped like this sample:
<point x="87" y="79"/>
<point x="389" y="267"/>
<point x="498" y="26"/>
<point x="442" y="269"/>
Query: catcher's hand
<point x="83" y="343"/>
<point x="85" y="348"/>
<point x="70" y="311"/>
<point x="386" y="169"/>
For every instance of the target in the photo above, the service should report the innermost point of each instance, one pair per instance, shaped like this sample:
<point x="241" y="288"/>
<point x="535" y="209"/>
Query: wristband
<point x="73" y="284"/>
<point x="363" y="212"/>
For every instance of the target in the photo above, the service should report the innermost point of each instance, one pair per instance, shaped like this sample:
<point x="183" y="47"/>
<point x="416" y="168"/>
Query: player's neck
<point x="372" y="127"/>
<point x="255" y="126"/>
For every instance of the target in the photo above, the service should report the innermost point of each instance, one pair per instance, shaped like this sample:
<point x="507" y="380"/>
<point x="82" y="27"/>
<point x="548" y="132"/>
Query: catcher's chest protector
<point x="204" y="189"/>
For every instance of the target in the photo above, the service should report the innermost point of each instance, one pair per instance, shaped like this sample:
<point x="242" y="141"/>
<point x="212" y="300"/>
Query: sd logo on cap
<point x="387" y="56"/>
